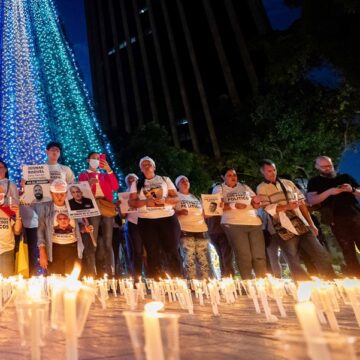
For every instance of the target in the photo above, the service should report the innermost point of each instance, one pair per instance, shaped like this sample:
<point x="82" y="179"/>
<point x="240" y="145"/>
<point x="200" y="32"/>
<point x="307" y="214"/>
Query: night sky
<point x="281" y="17"/>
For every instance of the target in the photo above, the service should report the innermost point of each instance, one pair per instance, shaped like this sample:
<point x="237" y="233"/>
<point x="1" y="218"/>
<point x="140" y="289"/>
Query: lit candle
<point x="252" y="294"/>
<point x="306" y="314"/>
<point x="153" y="341"/>
<point x="328" y="308"/>
<point x="352" y="288"/>
<point x="260" y="286"/>
<point x="71" y="289"/>
<point x="213" y="299"/>
<point x="34" y="293"/>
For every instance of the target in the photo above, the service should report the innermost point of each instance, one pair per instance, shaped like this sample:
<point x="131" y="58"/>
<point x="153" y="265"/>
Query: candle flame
<point x="168" y="276"/>
<point x="76" y="272"/>
<point x="153" y="307"/>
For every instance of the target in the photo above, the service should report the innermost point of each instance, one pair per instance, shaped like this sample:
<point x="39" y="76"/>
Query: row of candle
<point x="64" y="294"/>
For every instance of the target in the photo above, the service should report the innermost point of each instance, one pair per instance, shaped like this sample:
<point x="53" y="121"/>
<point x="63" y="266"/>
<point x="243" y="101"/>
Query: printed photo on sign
<point x="63" y="227"/>
<point x="124" y="204"/>
<point x="212" y="204"/>
<point x="37" y="184"/>
<point x="80" y="201"/>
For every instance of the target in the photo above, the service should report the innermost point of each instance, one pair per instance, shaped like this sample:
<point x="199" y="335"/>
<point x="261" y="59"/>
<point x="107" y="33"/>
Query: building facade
<point x="186" y="65"/>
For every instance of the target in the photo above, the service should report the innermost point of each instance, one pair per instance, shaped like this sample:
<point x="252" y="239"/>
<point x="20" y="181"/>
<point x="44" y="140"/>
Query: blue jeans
<point x="104" y="250"/>
<point x="248" y="244"/>
<point x="310" y="245"/>
<point x="7" y="263"/>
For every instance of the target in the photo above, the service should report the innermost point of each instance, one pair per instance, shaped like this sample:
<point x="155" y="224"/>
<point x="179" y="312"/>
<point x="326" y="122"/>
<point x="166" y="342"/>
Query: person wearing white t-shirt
<point x="155" y="197"/>
<point x="28" y="212"/>
<point x="242" y="225"/>
<point x="59" y="240"/>
<point x="10" y="224"/>
<point x="194" y="238"/>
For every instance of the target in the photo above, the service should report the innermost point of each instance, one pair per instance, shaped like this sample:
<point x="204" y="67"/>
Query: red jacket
<point x="108" y="183"/>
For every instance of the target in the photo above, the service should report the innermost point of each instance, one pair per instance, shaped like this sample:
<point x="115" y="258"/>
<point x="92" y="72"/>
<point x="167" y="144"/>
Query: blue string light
<point x="42" y="94"/>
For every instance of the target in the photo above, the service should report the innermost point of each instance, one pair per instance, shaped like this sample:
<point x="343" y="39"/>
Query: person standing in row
<point x="155" y="197"/>
<point x="242" y="225"/>
<point x="194" y="238"/>
<point x="102" y="184"/>
<point x="59" y="239"/>
<point x="10" y="221"/>
<point x="28" y="212"/>
<point x="337" y="195"/>
<point x="295" y="230"/>
<point x="134" y="243"/>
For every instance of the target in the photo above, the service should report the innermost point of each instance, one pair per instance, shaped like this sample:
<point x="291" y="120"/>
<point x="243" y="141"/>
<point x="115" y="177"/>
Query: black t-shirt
<point x="343" y="204"/>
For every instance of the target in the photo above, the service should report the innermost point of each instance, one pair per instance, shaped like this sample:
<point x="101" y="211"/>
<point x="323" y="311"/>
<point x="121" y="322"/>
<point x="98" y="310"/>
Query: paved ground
<point x="239" y="333"/>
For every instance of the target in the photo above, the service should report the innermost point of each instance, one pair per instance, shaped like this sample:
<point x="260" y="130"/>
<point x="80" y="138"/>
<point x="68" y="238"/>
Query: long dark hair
<point x="140" y="183"/>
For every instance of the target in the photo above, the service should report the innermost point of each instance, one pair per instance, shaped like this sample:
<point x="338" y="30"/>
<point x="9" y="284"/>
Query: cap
<point x="131" y="174"/>
<point x="178" y="179"/>
<point x="58" y="186"/>
<point x="147" y="158"/>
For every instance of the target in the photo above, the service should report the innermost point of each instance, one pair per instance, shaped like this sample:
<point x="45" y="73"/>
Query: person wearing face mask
<point x="103" y="183"/>
<point x="10" y="222"/>
<point x="337" y="196"/>
<point x="242" y="225"/>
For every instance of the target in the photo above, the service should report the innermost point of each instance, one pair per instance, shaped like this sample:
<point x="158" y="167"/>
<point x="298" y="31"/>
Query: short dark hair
<point x="226" y="169"/>
<point x="264" y="162"/>
<point x="91" y="153"/>
<point x="54" y="144"/>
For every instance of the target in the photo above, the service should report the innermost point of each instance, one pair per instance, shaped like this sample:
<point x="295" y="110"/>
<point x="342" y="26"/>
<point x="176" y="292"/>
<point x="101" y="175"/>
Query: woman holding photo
<point x="242" y="225"/>
<point x="155" y="197"/>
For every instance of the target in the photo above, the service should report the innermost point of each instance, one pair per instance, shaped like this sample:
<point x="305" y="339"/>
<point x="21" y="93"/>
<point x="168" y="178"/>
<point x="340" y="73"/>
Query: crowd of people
<point x="167" y="232"/>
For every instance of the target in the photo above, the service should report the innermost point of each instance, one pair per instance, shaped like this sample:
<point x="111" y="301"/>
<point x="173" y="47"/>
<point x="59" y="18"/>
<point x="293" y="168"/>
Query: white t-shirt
<point x="157" y="187"/>
<point x="194" y="221"/>
<point x="7" y="238"/>
<point x="59" y="171"/>
<point x="239" y="194"/>
<point x="63" y="226"/>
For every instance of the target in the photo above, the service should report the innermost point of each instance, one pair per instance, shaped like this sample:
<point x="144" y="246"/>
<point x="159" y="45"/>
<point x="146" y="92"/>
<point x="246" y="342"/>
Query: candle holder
<point x="154" y="336"/>
<point x="296" y="347"/>
<point x="131" y="297"/>
<point x="33" y="322"/>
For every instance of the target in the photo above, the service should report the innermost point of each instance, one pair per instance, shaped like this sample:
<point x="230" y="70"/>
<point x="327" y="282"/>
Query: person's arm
<point x="172" y="197"/>
<point x="305" y="211"/>
<point x="41" y="239"/>
<point x="135" y="202"/>
<point x="18" y="224"/>
<point x="315" y="198"/>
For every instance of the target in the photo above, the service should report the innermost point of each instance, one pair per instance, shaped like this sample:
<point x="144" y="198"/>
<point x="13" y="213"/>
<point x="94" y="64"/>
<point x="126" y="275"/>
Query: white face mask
<point x="94" y="163"/>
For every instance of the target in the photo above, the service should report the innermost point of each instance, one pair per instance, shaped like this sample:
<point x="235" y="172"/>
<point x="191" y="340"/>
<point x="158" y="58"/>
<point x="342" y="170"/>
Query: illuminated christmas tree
<point x="42" y="95"/>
